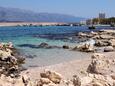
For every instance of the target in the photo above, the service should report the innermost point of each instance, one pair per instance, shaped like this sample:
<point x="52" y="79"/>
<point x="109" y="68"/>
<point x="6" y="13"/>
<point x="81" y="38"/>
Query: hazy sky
<point x="82" y="8"/>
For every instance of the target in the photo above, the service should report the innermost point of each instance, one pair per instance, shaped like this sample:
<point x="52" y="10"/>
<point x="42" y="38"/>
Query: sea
<point x="52" y="35"/>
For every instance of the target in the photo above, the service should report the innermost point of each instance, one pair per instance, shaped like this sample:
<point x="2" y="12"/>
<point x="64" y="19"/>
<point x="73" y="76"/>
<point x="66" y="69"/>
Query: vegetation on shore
<point x="109" y="21"/>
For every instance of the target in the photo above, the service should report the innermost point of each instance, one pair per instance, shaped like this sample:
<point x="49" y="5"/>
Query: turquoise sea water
<point x="53" y="35"/>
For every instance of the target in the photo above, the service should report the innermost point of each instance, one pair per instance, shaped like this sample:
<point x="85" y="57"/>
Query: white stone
<point x="86" y="80"/>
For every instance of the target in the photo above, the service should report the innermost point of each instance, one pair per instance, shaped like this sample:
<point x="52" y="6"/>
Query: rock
<point x="76" y="81"/>
<point x="65" y="47"/>
<point x="97" y="56"/>
<point x="8" y="81"/>
<point x="44" y="45"/>
<point x="81" y="81"/>
<point x="108" y="49"/>
<point x="101" y="43"/>
<point x="107" y="31"/>
<point x="45" y="81"/>
<point x="97" y="84"/>
<point x="90" y="75"/>
<point x="53" y="76"/>
<point x="4" y="54"/>
<point x="86" y="80"/>
<point x="75" y="48"/>
<point x="44" y="75"/>
<point x="105" y="36"/>
<point x="51" y="84"/>
<point x="85" y="48"/>
<point x="96" y="37"/>
<point x="99" y="77"/>
<point x="113" y="77"/>
<point x="94" y="33"/>
<point x="68" y="82"/>
<point x="25" y="80"/>
<point x="98" y="65"/>
<point x="82" y="34"/>
<point x="47" y="46"/>
<point x="112" y="42"/>
<point x="10" y="64"/>
<point x="109" y="80"/>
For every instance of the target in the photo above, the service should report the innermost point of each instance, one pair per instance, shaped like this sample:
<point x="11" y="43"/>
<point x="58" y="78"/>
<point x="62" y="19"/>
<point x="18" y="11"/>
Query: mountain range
<point x="20" y="15"/>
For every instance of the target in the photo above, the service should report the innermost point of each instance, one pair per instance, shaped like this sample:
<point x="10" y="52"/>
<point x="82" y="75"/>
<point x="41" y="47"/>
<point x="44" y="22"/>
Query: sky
<point x="79" y="8"/>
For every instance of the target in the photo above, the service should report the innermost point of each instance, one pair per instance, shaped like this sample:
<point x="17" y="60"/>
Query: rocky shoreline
<point x="95" y="71"/>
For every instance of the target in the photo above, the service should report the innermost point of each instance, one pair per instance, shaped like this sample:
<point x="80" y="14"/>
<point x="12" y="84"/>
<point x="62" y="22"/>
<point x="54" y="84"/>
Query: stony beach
<point x="57" y="43"/>
<point x="96" y="69"/>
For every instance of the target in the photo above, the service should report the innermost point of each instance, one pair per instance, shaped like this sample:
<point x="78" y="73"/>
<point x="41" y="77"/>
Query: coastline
<point x="29" y="23"/>
<point x="95" y="66"/>
<point x="67" y="69"/>
<point x="102" y="64"/>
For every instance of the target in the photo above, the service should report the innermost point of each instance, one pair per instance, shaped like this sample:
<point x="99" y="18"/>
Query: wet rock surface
<point x="42" y="45"/>
<point x="103" y="39"/>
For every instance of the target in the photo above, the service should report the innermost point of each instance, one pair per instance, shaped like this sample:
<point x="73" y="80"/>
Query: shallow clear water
<point x="53" y="35"/>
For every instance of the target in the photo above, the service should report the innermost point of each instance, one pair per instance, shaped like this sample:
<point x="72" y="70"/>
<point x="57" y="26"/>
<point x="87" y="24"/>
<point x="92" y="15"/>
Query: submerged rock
<point x="47" y="46"/>
<point x="43" y="45"/>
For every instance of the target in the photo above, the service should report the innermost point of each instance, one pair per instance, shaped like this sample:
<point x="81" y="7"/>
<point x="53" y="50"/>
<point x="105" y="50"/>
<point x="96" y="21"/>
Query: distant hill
<point x="19" y="15"/>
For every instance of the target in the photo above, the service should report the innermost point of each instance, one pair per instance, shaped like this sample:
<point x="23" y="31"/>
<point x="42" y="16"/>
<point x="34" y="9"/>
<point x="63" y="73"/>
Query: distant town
<point x="100" y="20"/>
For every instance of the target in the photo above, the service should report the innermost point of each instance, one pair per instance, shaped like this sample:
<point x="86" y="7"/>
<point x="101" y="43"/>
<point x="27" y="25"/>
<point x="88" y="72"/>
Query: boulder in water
<point x="43" y="45"/>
